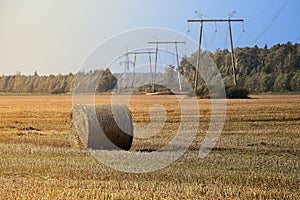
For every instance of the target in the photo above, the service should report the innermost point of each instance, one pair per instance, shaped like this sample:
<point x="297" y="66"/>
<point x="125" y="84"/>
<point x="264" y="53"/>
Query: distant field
<point x="257" y="156"/>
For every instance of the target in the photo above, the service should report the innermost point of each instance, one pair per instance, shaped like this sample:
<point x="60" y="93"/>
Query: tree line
<point x="260" y="70"/>
<point x="53" y="84"/>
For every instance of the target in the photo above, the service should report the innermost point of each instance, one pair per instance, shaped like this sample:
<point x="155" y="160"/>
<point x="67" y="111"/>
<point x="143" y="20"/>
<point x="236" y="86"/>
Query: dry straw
<point x="108" y="127"/>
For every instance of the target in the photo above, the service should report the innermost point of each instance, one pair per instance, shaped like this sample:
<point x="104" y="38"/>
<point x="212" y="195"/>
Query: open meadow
<point x="257" y="155"/>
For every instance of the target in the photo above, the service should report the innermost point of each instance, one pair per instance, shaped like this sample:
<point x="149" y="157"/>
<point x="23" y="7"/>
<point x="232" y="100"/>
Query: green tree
<point x="107" y="81"/>
<point x="169" y="76"/>
<point x="267" y="82"/>
<point x="281" y="83"/>
<point x="3" y="83"/>
<point x="295" y="82"/>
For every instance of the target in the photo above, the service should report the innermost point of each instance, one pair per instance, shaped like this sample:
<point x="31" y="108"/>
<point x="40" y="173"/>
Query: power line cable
<point x="212" y="39"/>
<point x="240" y="36"/>
<point x="204" y="39"/>
<point x="271" y="23"/>
<point x="226" y="40"/>
<point x="268" y="6"/>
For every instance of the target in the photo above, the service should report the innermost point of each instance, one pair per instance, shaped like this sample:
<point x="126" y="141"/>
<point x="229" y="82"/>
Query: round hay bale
<point x="108" y="127"/>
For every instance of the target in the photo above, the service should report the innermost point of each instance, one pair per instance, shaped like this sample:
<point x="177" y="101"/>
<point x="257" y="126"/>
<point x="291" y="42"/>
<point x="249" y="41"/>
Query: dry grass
<point x="257" y="156"/>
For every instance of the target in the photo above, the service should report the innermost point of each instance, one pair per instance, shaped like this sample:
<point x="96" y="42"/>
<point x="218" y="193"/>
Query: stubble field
<point x="257" y="155"/>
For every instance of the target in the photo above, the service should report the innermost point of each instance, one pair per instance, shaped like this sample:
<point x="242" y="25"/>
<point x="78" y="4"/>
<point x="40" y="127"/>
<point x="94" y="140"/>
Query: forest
<point x="53" y="84"/>
<point x="259" y="70"/>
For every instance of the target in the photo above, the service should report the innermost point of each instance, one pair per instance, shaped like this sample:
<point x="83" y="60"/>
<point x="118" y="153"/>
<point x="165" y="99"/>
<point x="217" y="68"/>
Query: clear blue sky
<point x="55" y="36"/>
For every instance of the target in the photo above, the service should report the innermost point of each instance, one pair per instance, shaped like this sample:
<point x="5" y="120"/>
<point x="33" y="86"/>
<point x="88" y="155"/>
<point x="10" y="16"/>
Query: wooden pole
<point x="232" y="54"/>
<point x="155" y="65"/>
<point x="198" y="59"/>
<point x="231" y="44"/>
<point x="134" y="63"/>
<point x="151" y="69"/>
<point x="177" y="60"/>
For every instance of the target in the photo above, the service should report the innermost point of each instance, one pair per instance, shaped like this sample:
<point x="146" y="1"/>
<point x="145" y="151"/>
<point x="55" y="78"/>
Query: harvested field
<point x="257" y="156"/>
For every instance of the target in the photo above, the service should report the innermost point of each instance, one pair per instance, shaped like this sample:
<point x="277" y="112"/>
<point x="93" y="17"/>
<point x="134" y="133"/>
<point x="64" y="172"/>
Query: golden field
<point x="256" y="157"/>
